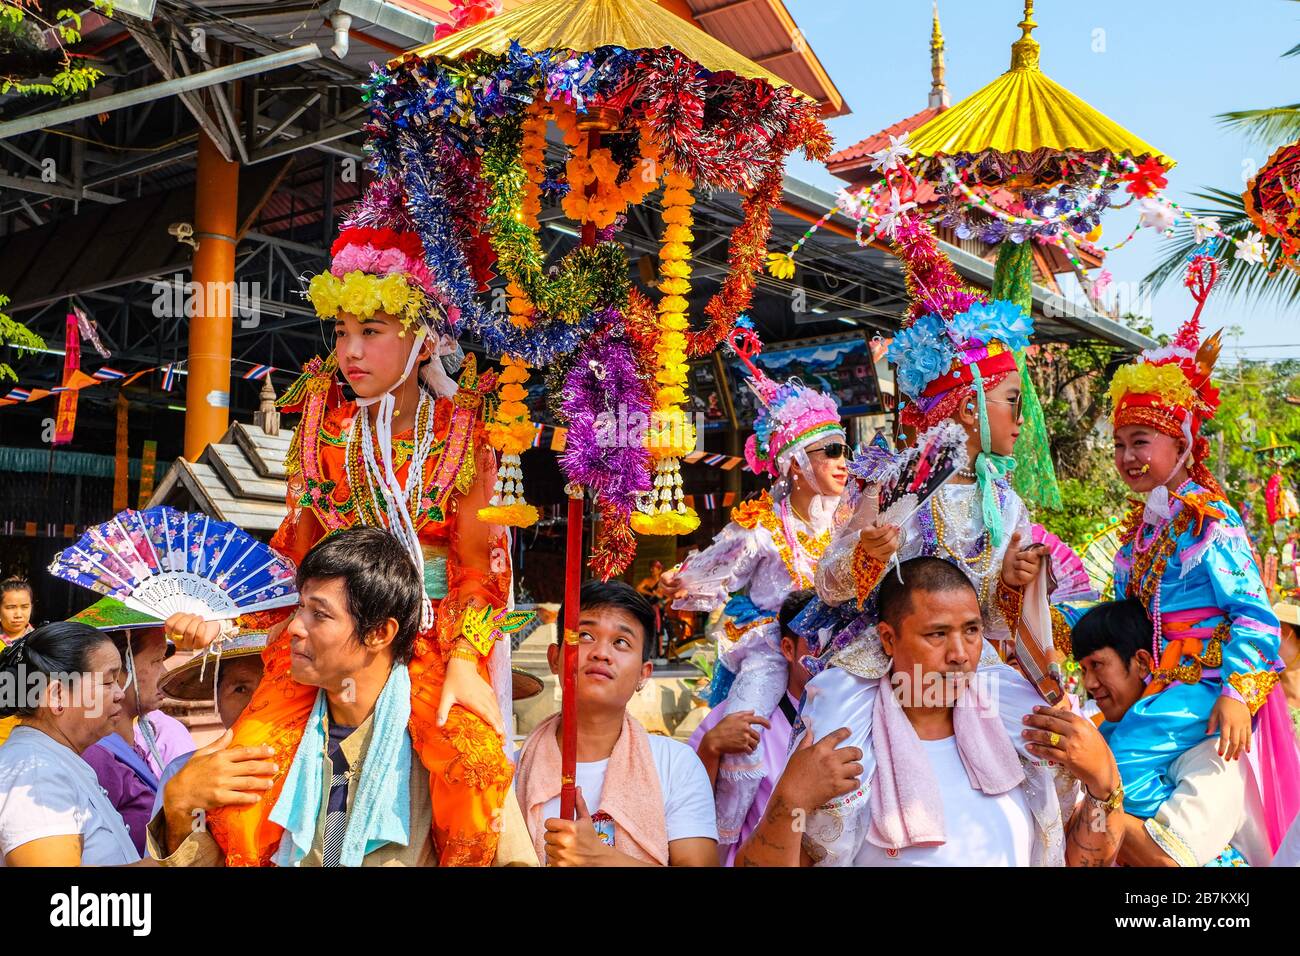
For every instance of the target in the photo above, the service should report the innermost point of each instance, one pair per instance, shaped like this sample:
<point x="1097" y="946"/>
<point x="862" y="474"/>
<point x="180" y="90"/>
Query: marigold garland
<point x="595" y="193"/>
<point x="670" y="434"/>
<point x="587" y="278"/>
<point x="511" y="431"/>
<point x="532" y="156"/>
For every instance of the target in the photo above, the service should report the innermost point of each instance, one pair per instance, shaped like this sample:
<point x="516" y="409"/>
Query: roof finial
<point x="938" y="91"/>
<point x="1024" y="52"/>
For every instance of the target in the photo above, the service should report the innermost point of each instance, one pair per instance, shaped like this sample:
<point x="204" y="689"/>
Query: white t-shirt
<point x="981" y="830"/>
<point x="48" y="790"/>
<point x="688" y="798"/>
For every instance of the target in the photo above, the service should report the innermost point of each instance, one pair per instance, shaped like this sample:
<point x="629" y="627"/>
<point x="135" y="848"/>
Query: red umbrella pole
<point x="572" y="586"/>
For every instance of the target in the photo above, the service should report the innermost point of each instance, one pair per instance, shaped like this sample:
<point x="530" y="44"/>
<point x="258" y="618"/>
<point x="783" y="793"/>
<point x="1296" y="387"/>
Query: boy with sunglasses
<point x="770" y="549"/>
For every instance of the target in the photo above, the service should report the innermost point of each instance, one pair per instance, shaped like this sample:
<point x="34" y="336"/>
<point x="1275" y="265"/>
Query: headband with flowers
<point x="790" y="417"/>
<point x="378" y="264"/>
<point x="1169" y="388"/>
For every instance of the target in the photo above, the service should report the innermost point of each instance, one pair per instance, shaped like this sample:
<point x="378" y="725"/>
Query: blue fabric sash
<point x="381" y="810"/>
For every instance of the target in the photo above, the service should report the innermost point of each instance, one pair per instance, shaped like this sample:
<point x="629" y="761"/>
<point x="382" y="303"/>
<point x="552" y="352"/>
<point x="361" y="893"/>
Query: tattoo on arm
<point x="774" y="842"/>
<point x="1093" y="837"/>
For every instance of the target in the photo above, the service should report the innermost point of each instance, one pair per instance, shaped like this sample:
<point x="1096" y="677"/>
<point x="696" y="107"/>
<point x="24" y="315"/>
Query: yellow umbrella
<point x="1024" y="110"/>
<point x="588" y="24"/>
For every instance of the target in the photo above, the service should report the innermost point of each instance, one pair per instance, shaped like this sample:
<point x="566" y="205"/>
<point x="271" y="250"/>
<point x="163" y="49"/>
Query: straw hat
<point x="193" y="681"/>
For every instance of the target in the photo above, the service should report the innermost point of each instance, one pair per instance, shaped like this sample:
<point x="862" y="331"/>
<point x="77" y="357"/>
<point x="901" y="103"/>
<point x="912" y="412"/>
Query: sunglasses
<point x="832" y="451"/>
<point x="1017" y="405"/>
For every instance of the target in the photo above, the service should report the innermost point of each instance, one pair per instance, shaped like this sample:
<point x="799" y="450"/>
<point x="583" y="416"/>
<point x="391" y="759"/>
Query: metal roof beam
<point x="24" y="184"/>
<point x="179" y="85"/>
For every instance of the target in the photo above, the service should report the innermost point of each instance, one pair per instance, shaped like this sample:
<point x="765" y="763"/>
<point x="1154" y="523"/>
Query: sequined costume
<point x="344" y="469"/>
<point x="1186" y="555"/>
<point x="954" y="347"/>
<point x="766" y="552"/>
<point x="760" y="557"/>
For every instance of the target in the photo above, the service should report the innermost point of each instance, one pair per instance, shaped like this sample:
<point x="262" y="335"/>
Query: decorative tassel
<point x="510" y="432"/>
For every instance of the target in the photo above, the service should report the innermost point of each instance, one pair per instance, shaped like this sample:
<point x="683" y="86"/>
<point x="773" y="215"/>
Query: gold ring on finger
<point x="1054" y="739"/>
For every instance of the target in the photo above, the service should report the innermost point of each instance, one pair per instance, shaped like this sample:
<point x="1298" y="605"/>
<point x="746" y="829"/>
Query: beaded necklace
<point x="768" y="515"/>
<point x="1148" y="570"/>
<point x="369" y="493"/>
<point x="978" y="561"/>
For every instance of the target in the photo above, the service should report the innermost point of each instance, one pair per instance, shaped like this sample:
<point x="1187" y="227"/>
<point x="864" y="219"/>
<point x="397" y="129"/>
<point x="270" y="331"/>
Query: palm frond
<point x="1271" y="126"/>
<point x="1240" y="281"/>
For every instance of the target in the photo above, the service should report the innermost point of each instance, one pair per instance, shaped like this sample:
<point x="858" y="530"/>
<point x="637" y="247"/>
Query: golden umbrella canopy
<point x="1024" y="111"/>
<point x="589" y="24"/>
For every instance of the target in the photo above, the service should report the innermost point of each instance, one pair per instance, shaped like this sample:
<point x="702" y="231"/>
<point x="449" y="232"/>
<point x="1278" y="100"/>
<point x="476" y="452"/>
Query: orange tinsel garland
<point x="745" y="255"/>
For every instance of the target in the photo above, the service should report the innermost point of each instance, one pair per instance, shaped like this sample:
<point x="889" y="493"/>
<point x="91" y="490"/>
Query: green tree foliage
<point x="14" y="333"/>
<point x="1260" y="407"/>
<point x="34" y="56"/>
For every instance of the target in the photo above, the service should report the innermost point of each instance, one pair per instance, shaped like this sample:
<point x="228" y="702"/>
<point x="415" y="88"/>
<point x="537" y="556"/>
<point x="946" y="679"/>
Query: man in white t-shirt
<point x="643" y="800"/>
<point x="941" y="781"/>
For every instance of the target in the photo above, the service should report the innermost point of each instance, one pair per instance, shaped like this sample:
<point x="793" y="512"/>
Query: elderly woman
<point x="63" y="682"/>
<point x="129" y="760"/>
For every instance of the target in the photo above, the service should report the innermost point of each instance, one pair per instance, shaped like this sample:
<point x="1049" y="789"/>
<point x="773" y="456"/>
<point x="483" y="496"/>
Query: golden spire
<point x="938" y="92"/>
<point x="1024" y="52"/>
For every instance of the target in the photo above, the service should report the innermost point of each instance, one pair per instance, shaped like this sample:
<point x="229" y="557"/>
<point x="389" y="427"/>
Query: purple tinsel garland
<point x="608" y="407"/>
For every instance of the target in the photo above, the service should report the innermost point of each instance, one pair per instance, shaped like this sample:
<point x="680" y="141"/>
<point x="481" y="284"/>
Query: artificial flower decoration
<point x="1157" y="215"/>
<point x="892" y="219"/>
<point x="895" y="154"/>
<point x="781" y="264"/>
<point x="1148" y="177"/>
<point x="510" y="431"/>
<point x="1206" y="228"/>
<point x="1251" y="249"/>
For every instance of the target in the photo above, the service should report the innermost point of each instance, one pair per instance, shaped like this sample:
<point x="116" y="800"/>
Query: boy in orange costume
<point x="351" y="462"/>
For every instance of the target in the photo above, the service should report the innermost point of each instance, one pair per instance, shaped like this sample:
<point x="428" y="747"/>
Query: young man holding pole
<point x="641" y="800"/>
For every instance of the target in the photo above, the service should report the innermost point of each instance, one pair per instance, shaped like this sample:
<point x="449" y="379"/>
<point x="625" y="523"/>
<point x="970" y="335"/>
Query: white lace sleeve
<point x="723" y="568"/>
<point x="835" y="699"/>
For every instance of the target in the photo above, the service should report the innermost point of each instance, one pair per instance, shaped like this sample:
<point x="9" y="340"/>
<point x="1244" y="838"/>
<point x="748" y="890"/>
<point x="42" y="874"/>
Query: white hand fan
<point x="163" y="562"/>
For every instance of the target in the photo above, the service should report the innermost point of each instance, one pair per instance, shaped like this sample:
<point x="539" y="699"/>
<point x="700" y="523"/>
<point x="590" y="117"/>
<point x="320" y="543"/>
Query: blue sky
<point x="1164" y="71"/>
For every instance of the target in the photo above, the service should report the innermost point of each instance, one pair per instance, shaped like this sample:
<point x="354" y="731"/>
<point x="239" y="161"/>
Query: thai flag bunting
<point x="715" y="459"/>
<point x="107" y="374"/>
<point x="537" y="436"/>
<point x="169" y="376"/>
<point x="18" y="395"/>
<point x="258" y="372"/>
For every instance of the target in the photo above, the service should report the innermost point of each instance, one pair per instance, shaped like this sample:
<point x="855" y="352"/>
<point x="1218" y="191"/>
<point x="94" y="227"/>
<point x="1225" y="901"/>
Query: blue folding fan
<point x="162" y="561"/>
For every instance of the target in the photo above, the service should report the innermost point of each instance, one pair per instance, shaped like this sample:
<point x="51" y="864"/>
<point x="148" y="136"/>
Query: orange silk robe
<point x="469" y="775"/>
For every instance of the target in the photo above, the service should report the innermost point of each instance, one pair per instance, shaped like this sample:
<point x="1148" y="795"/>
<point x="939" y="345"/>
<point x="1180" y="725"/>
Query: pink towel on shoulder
<point x="631" y="796"/>
<point x="906" y="805"/>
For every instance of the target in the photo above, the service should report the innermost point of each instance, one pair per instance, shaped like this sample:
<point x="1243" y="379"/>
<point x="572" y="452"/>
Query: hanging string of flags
<point x="558" y="434"/>
<point x="77" y="380"/>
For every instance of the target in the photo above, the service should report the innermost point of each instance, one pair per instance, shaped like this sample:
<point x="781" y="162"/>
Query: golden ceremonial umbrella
<point x="586" y="26"/>
<point x="591" y="24"/>
<point x="1024" y="111"/>
<point x="1026" y="132"/>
